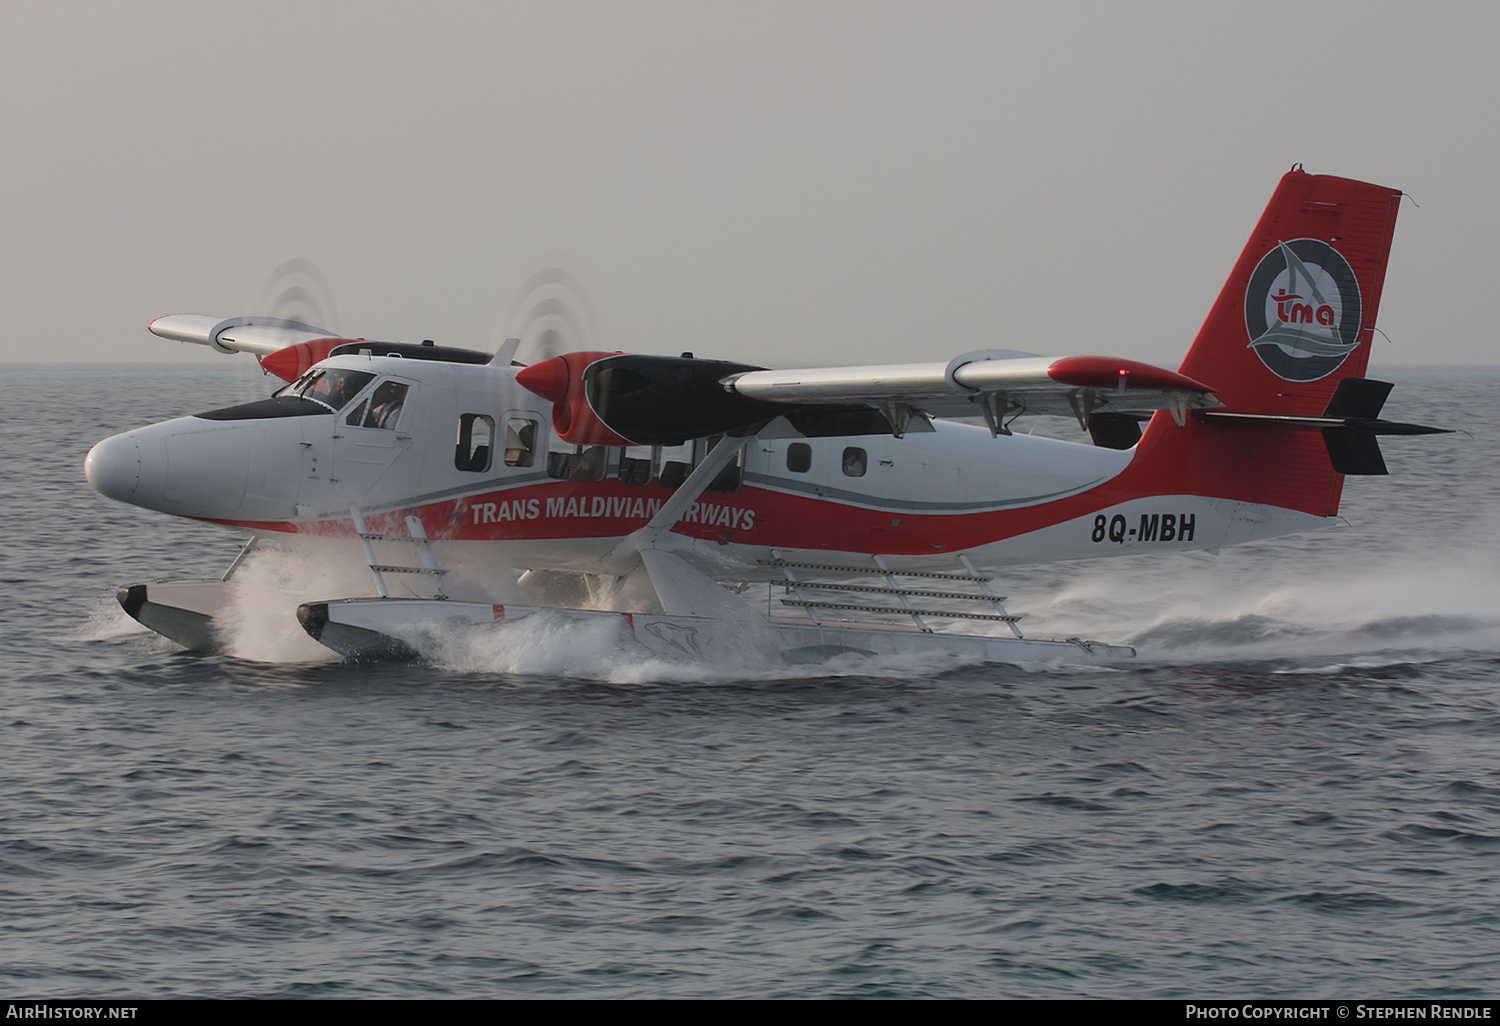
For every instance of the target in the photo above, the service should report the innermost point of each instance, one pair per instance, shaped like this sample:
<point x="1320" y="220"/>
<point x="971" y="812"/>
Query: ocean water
<point x="1294" y="791"/>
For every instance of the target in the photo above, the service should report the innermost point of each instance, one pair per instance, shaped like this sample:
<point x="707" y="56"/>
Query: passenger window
<point x="635" y="465"/>
<point x="676" y="464"/>
<point x="386" y="404"/>
<point x="730" y="477"/>
<point x="579" y="465"/>
<point x="476" y="440"/>
<point x="799" y="457"/>
<point x="854" y="462"/>
<point x="520" y="442"/>
<point x="679" y="461"/>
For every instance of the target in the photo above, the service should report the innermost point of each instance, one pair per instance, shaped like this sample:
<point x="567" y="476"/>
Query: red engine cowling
<point x="560" y="380"/>
<point x="291" y="363"/>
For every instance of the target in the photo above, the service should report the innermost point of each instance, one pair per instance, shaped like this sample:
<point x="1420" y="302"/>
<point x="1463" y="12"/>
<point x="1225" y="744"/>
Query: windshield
<point x="332" y="387"/>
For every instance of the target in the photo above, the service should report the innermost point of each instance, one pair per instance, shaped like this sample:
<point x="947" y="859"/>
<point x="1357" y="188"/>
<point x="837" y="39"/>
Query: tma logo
<point x="1288" y="311"/>
<point x="1302" y="310"/>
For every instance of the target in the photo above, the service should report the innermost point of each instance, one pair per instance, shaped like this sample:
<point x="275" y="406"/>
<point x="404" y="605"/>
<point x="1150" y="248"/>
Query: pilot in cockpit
<point x="385" y="405"/>
<point x="332" y="389"/>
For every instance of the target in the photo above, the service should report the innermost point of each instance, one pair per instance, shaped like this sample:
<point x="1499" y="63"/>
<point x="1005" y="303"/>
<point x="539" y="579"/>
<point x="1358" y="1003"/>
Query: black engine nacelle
<point x="621" y="399"/>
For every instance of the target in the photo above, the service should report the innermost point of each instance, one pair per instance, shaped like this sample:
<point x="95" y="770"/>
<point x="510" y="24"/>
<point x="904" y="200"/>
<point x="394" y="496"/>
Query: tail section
<point x="1294" y="320"/>
<point x="1298" y="311"/>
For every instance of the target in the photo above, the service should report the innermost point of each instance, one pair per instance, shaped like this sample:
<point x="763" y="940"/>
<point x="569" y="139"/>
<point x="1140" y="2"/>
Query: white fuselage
<point x="473" y="456"/>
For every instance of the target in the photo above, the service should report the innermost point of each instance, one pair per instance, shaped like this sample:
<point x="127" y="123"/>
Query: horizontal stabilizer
<point x="1350" y="424"/>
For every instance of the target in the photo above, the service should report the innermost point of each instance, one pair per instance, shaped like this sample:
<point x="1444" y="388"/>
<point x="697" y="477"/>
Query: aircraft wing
<point x="284" y="348"/>
<point x="624" y="399"/>
<point x="258" y="335"/>
<point x="995" y="383"/>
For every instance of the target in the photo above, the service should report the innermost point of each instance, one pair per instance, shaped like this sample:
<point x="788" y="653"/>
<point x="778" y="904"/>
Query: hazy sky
<point x="772" y="182"/>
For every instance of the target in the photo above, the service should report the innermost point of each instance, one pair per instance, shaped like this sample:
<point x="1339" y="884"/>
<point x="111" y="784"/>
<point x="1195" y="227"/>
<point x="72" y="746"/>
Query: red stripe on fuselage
<point x="753" y="515"/>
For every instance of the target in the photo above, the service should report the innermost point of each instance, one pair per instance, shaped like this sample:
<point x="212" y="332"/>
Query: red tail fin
<point x="1298" y="311"/>
<point x="1295" y="317"/>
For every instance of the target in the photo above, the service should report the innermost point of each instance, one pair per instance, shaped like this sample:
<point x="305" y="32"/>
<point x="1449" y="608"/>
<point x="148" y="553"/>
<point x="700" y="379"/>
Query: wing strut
<point x="627" y="553"/>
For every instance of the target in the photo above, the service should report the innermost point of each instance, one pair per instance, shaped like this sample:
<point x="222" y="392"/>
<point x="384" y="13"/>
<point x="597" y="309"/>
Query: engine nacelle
<point x="621" y="399"/>
<point x="291" y="363"/>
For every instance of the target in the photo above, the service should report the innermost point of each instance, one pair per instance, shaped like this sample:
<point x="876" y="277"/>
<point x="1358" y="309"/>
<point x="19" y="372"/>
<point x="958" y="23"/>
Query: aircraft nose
<point x="189" y="467"/>
<point x="113" y="467"/>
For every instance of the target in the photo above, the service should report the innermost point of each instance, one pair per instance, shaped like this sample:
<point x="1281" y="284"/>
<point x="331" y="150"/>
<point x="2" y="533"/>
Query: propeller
<point x="297" y="291"/>
<point x="611" y="398"/>
<point x="551" y="316"/>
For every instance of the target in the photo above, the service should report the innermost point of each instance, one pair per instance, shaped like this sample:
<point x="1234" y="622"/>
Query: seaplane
<point x="703" y="505"/>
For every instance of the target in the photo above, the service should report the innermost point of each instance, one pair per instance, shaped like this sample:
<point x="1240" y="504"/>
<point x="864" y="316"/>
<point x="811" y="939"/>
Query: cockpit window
<point x="332" y="387"/>
<point x="385" y="405"/>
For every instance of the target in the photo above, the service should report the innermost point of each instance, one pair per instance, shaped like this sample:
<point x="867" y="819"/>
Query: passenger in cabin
<point x="518" y="454"/>
<point x="590" y="465"/>
<point x="854" y="462"/>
